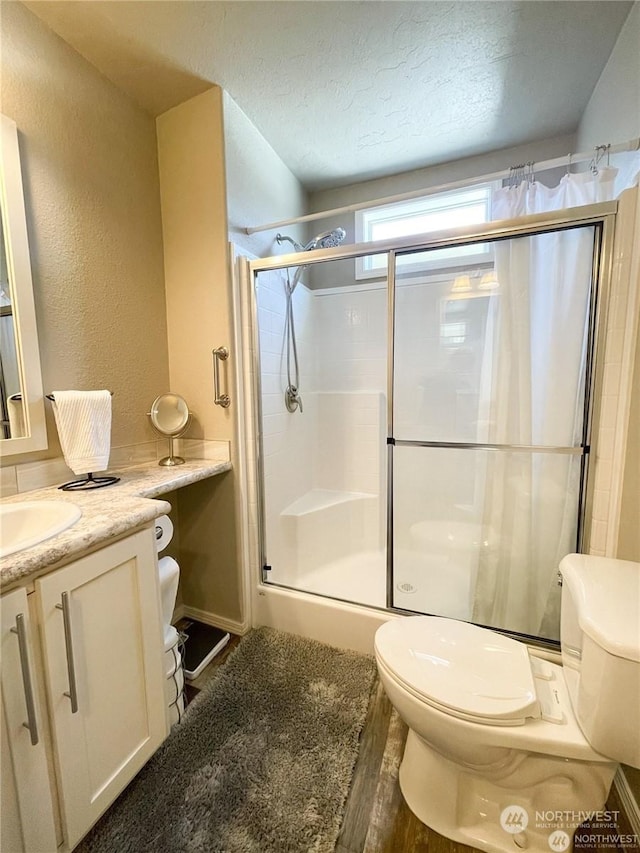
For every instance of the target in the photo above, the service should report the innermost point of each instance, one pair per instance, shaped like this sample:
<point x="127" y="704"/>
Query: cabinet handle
<point x="219" y="354"/>
<point x="72" y="694"/>
<point x="31" y="724"/>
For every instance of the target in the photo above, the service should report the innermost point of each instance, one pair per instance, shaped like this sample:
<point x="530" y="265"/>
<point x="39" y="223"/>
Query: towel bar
<point x="88" y="482"/>
<point x="53" y="399"/>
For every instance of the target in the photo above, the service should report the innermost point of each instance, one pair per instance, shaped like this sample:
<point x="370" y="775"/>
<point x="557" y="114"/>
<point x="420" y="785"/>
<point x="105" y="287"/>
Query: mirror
<point x="22" y="416"/>
<point x="170" y="416"/>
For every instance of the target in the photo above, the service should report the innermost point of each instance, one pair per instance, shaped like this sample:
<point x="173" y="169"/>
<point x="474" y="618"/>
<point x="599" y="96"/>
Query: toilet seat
<point x="461" y="669"/>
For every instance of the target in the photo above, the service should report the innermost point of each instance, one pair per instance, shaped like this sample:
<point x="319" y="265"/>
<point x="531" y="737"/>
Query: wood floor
<point x="376" y="819"/>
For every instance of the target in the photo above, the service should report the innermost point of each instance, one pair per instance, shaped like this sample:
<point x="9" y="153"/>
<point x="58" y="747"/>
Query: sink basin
<point x="23" y="525"/>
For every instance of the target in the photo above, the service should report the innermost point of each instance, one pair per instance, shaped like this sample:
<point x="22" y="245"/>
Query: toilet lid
<point x="468" y="671"/>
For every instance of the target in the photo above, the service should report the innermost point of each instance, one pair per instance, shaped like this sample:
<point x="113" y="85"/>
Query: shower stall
<point x="423" y="414"/>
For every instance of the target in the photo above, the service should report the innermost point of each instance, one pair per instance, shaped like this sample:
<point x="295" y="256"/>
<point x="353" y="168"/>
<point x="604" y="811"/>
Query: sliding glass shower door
<point x="323" y="454"/>
<point x="488" y="426"/>
<point x="438" y="461"/>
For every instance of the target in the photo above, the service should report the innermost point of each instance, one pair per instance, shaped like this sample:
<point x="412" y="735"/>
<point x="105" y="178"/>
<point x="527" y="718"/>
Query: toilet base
<point x="466" y="805"/>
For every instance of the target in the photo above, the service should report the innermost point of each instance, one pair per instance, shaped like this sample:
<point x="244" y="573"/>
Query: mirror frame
<point x="14" y="222"/>
<point x="153" y="414"/>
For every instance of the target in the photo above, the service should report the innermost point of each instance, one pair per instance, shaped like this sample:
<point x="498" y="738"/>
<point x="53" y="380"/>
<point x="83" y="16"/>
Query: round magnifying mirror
<point x="170" y="416"/>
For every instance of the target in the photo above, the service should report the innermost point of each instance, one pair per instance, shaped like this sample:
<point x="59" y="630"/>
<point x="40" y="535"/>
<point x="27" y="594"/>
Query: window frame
<point x="429" y="204"/>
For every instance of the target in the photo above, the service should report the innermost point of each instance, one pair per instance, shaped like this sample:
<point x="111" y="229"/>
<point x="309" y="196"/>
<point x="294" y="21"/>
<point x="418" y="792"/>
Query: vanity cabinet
<point x="101" y="641"/>
<point x="25" y="773"/>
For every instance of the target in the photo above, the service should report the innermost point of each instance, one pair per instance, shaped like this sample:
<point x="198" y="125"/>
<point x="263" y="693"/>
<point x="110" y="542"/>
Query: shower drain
<point x="406" y="587"/>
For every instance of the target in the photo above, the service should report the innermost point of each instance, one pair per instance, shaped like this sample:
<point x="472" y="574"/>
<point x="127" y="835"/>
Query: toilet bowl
<point x="505" y="749"/>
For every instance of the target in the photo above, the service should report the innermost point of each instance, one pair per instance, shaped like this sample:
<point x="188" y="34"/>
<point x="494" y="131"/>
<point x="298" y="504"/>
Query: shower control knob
<point x="292" y="399"/>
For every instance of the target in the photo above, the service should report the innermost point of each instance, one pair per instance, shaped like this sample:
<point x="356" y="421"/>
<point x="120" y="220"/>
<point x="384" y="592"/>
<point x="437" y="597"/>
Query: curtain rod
<point x="568" y="159"/>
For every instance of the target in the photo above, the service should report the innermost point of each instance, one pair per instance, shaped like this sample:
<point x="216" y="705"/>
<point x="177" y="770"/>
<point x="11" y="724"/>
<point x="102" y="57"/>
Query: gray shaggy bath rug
<point x="261" y="763"/>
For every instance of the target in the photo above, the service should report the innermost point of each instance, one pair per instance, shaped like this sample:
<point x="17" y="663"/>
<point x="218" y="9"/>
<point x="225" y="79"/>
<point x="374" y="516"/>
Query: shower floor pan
<point x="422" y="584"/>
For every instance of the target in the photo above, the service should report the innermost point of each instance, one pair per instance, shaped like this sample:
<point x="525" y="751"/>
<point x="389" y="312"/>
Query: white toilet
<point x="507" y="750"/>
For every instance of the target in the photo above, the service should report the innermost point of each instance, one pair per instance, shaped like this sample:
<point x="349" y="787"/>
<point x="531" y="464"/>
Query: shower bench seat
<point x="324" y="525"/>
<point x="317" y="500"/>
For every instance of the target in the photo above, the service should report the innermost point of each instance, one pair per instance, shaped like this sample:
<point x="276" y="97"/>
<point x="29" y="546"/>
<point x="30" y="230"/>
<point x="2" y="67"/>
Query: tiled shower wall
<point x="342" y="354"/>
<point x="351" y="339"/>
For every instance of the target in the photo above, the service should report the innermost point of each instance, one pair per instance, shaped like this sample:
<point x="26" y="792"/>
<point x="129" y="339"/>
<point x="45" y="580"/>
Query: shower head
<point x="324" y="240"/>
<point x="327" y="239"/>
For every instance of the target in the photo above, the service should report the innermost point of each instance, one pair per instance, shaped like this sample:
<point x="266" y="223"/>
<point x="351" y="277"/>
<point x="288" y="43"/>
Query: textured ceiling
<point x="347" y="91"/>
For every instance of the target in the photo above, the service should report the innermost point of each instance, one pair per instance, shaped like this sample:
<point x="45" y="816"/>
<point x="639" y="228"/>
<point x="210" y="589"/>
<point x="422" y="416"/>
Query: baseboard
<point x="230" y="625"/>
<point x="628" y="804"/>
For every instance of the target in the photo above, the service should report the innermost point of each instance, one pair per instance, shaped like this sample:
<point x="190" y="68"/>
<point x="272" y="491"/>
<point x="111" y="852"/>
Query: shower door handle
<point x="219" y="354"/>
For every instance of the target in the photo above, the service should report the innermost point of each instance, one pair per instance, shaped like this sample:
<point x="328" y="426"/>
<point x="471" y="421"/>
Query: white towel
<point x="83" y="419"/>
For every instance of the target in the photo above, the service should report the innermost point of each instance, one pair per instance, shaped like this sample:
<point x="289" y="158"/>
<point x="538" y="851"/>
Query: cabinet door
<point x="26" y="805"/>
<point x="102" y="638"/>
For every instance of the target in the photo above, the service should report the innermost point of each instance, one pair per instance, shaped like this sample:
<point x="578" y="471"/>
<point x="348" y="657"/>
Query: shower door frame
<point x="601" y="216"/>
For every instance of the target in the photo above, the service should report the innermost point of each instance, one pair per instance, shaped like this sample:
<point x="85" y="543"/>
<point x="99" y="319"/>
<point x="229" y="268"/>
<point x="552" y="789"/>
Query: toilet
<point x="508" y="750"/>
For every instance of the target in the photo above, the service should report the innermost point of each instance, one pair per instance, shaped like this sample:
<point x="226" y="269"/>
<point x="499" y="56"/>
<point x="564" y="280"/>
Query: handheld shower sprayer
<point x="327" y="240"/>
<point x="324" y="240"/>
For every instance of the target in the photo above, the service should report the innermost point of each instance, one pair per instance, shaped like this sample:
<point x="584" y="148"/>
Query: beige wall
<point x="629" y="531"/>
<point x="260" y="187"/>
<point x="457" y="170"/>
<point x="92" y="197"/>
<point x="454" y="170"/>
<point x="613" y="112"/>
<point x="193" y="199"/>
<point x="613" y="115"/>
<point x="209" y="557"/>
<point x="199" y="318"/>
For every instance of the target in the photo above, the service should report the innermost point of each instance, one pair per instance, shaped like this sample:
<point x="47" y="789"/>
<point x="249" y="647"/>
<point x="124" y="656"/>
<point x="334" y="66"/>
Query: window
<point x="421" y="216"/>
<point x="453" y="334"/>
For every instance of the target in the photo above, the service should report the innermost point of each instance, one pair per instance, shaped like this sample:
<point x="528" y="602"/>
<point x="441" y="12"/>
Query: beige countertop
<point x="106" y="513"/>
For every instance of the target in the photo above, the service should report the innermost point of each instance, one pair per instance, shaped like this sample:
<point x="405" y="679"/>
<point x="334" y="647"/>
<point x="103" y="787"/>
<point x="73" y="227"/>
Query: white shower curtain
<point x="532" y="394"/>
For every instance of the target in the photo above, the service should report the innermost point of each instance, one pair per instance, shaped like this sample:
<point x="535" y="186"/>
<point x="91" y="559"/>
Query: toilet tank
<point x="600" y="637"/>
